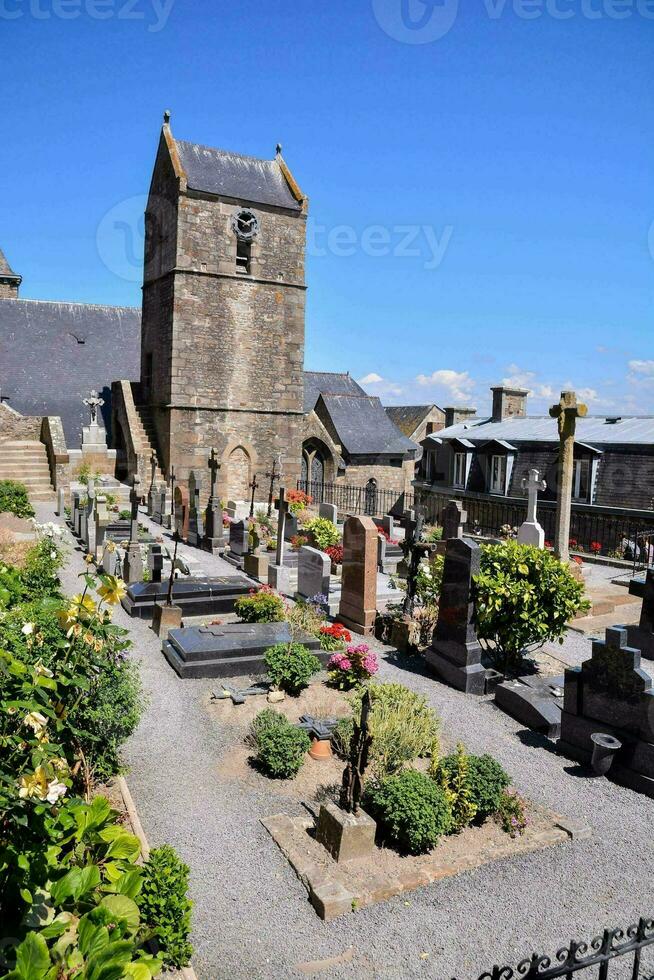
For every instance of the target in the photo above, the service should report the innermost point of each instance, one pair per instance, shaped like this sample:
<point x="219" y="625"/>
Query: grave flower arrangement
<point x="334" y="636"/>
<point x="352" y="668"/>
<point x="335" y="552"/>
<point x="262" y="605"/>
<point x="596" y="547"/>
<point x="298" y="500"/>
<point x="298" y="541"/>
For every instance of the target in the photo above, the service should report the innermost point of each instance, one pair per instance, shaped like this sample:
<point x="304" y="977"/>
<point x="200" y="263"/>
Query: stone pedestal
<point x="214" y="532"/>
<point x="165" y="618"/>
<point x="346" y="836"/>
<point x="358" y="607"/>
<point x="531" y="533"/>
<point x="279" y="578"/>
<point x="256" y="566"/>
<point x="133" y="564"/>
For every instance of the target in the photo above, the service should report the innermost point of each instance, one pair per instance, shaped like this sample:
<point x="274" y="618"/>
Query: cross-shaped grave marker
<point x="530" y="531"/>
<point x="567" y="411"/>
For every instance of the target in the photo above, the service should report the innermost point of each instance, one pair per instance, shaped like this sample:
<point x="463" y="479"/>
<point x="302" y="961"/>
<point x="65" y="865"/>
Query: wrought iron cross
<point x="214" y="466"/>
<point x="254" y="486"/>
<point x="134" y="497"/>
<point x="153" y="467"/>
<point x="274" y="474"/>
<point x="93" y="402"/>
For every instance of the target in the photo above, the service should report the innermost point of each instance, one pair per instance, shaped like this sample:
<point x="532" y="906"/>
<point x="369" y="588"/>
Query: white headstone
<point x="531" y="532"/>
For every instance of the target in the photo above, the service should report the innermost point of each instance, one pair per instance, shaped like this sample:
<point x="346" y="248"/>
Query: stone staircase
<point x="145" y="434"/>
<point x="610" y="604"/>
<point x="27" y="463"/>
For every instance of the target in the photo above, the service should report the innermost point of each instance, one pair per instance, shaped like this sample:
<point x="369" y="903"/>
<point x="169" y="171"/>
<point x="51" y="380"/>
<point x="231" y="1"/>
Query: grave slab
<point x="533" y="701"/>
<point x="230" y="650"/>
<point x="196" y="597"/>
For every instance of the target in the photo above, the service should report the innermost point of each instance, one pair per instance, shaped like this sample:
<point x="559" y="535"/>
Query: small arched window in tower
<point x="246" y="227"/>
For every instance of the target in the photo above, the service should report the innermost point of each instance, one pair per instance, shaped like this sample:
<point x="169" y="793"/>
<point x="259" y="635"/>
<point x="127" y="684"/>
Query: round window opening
<point x="245" y="224"/>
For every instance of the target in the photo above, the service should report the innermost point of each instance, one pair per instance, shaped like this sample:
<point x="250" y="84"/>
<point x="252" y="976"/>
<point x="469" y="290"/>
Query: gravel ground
<point x="252" y="918"/>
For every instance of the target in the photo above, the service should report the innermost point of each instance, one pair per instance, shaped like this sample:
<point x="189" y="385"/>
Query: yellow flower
<point x="66" y="619"/>
<point x="112" y="590"/>
<point x="88" y="639"/>
<point x="40" y="669"/>
<point x="110" y="547"/>
<point x="98" y="645"/>
<point x="34" y="785"/>
<point x="89" y="559"/>
<point x="82" y="605"/>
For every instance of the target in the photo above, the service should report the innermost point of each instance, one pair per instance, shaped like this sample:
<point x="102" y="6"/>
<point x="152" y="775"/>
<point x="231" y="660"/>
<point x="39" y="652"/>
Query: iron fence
<point x="594" y="958"/>
<point x="369" y="499"/>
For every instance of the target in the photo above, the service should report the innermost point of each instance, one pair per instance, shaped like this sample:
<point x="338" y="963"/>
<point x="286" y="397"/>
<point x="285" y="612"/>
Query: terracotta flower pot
<point x="321" y="748"/>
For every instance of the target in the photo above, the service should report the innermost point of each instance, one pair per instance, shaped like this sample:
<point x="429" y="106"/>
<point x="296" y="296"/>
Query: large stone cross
<point x="566" y="412"/>
<point x="214" y="467"/>
<point x="93" y="402"/>
<point x="530" y="531"/>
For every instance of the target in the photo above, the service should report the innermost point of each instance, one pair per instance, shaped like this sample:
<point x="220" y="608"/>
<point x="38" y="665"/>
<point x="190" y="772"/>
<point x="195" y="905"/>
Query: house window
<point x="243" y="256"/>
<point x="459" y="470"/>
<point x="498" y="474"/>
<point x="581" y="480"/>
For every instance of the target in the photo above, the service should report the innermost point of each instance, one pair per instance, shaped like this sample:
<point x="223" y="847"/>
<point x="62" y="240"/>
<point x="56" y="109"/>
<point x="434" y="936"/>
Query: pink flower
<point x="370" y="663"/>
<point x="346" y="664"/>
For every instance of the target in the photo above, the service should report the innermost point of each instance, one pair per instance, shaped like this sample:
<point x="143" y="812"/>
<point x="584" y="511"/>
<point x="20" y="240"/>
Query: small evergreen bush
<point x="410" y="809"/>
<point x="325" y="533"/>
<point x="14" y="499"/>
<point x="291" y="666"/>
<point x="164" y="906"/>
<point x="262" y="606"/>
<point x="454" y="778"/>
<point x="280" y="747"/>
<point x="486" y="780"/>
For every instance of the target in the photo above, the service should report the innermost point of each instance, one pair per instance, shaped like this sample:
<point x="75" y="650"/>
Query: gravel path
<point x="252" y="919"/>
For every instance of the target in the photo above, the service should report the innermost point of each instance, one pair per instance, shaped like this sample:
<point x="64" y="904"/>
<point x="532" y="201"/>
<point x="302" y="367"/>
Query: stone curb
<point x="186" y="972"/>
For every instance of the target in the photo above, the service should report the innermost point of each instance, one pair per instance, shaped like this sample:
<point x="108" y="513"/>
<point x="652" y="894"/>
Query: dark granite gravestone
<point x="155" y="562"/>
<point x="195" y="596"/>
<point x="231" y="650"/>
<point x="314" y="568"/>
<point x="535" y="702"/>
<point x="453" y="517"/>
<point x="238" y="538"/>
<point x="642" y="636"/>
<point x="195" y="523"/>
<point x="455" y="654"/>
<point x="611" y="694"/>
<point x="290" y="527"/>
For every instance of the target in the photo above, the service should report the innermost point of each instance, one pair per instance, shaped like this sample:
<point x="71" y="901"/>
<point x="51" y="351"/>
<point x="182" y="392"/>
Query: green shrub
<point x="262" y="606"/>
<point x="265" y="721"/>
<point x="291" y="666"/>
<point x="486" y="780"/>
<point x="429" y="580"/>
<point x="280" y="747"/>
<point x="524" y="596"/>
<point x="325" y="534"/>
<point x="124" y="515"/>
<point x="164" y="907"/>
<point x="40" y="574"/>
<point x="511" y="814"/>
<point x="432" y="533"/>
<point x="454" y="778"/>
<point x="402" y="724"/>
<point x="410" y="809"/>
<point x="14" y="499"/>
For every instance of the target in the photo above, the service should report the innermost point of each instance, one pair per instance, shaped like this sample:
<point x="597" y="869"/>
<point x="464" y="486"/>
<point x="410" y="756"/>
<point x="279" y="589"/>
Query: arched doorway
<point x="238" y="474"/>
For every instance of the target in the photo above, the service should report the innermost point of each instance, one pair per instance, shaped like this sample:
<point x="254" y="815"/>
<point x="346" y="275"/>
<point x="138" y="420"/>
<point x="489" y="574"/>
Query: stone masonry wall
<point x="8" y="290"/>
<point x="14" y="426"/>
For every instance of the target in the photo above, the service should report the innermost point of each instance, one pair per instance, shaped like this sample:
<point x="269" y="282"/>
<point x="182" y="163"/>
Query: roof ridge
<point x="231" y="153"/>
<point x="66" y="302"/>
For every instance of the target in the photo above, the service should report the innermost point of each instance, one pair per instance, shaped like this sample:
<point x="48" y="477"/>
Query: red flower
<point x="335" y="552"/>
<point x="596" y="546"/>
<point x="572" y="543"/>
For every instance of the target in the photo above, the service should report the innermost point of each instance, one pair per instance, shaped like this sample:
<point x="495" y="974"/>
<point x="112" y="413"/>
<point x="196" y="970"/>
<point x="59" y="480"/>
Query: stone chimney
<point x="9" y="281"/>
<point x="509" y="403"/>
<point x="454" y="415"/>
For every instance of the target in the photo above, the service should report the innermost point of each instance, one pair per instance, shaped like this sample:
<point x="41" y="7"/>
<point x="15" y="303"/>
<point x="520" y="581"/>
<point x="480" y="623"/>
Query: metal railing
<point x="586" y="956"/>
<point x="370" y="499"/>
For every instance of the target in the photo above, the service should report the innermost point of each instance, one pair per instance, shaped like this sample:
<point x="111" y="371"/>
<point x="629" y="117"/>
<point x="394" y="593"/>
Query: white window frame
<point x="577" y="471"/>
<point x="498" y="485"/>
<point x="460" y="469"/>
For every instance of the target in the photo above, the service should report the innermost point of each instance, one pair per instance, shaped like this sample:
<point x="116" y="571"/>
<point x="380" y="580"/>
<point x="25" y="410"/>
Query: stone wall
<point x="17" y="427"/>
<point x="52" y="435"/>
<point x="388" y="477"/>
<point x="8" y="290"/>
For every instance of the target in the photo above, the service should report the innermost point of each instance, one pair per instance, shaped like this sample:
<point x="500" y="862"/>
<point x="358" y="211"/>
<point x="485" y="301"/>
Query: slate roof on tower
<point x="53" y="354"/>
<point x="228" y="174"/>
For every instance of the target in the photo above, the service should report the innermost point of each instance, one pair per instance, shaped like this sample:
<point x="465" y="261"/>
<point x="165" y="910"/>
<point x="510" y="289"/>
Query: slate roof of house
<point x="363" y="426"/>
<point x="228" y="174"/>
<point x="408" y="417"/>
<point x="592" y="430"/>
<point x="6" y="272"/>
<point x="328" y="382"/>
<point x="45" y="370"/>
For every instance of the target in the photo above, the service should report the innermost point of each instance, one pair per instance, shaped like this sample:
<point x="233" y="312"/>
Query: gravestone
<point x="88" y="520"/>
<point x="75" y="511"/>
<point x="455" y="653"/>
<point x="256" y="566"/>
<point x="329" y="512"/>
<point x="536" y="702"/>
<point x="195" y="525"/>
<point x="313" y="573"/>
<point x="102" y="520"/>
<point x="530" y="531"/>
<point x="238" y="538"/>
<point x="181" y="511"/>
<point x="642" y="636"/>
<point x="155" y="562"/>
<point x="214" y="532"/>
<point x="110" y="558"/>
<point x="230" y="509"/>
<point x="381" y="552"/>
<point x="232" y="649"/>
<point x="388" y="525"/>
<point x="61" y="502"/>
<point x="196" y="596"/>
<point x="290" y="528"/>
<point x="612" y="695"/>
<point x="358" y="607"/>
<point x="453" y="517"/>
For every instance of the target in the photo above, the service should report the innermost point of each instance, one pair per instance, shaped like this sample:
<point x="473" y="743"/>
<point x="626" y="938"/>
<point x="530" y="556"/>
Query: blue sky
<point x="480" y="172"/>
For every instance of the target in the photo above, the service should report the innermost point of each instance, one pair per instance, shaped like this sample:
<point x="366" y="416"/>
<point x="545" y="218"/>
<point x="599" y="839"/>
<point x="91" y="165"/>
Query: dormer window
<point x="246" y="228"/>
<point x="498" y="474"/>
<point x="459" y="470"/>
<point x="581" y="479"/>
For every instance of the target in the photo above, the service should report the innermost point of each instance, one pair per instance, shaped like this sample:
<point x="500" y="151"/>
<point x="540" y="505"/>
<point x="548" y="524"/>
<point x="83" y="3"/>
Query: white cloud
<point x="371" y="379"/>
<point x="458" y="384"/>
<point x="519" y="378"/>
<point x="642" y="367"/>
<point x="374" y="384"/>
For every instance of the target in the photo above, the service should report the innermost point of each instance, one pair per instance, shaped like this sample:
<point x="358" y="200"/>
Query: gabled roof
<point x="328" y="382"/>
<point x="363" y="426"/>
<point x="46" y="369"/>
<point x="249" y="179"/>
<point x="592" y="430"/>
<point x="6" y="272"/>
<point x="408" y="417"/>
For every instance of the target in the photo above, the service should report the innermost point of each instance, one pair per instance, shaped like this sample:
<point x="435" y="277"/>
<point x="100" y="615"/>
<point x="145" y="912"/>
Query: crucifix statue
<point x="273" y="475"/>
<point x="254" y="486"/>
<point x="214" y="467"/>
<point x="566" y="412"/>
<point x="530" y="531"/>
<point x="93" y="402"/>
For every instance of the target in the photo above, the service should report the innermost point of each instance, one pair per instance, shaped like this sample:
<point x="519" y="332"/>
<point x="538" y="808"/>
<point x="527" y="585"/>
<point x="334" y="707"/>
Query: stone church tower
<point x="222" y="340"/>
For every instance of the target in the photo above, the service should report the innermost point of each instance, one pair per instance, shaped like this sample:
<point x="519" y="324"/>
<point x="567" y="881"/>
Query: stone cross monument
<point x="214" y="536"/>
<point x="530" y="531"/>
<point x="279" y="574"/>
<point x="566" y="412"/>
<point x="93" y="403"/>
<point x="133" y="564"/>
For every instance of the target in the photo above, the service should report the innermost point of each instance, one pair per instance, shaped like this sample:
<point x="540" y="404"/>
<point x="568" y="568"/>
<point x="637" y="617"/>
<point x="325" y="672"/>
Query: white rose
<point x="27" y="629"/>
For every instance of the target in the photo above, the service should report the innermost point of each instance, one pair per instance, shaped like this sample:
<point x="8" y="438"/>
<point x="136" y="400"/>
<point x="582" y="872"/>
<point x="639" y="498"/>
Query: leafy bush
<point x="39" y="575"/>
<point x="335" y="552"/>
<point x="432" y="533"/>
<point x="291" y="666"/>
<point x="511" y="814"/>
<point x="485" y="779"/>
<point x="164" y="907"/>
<point x="124" y="515"/>
<point x="298" y="541"/>
<point x="262" y="606"/>
<point x="14" y="499"/>
<point x="410" y="809"/>
<point x="430" y="580"/>
<point x="280" y="747"/>
<point x="524" y="596"/>
<point x="454" y="780"/>
<point x="402" y="725"/>
<point x="325" y="533"/>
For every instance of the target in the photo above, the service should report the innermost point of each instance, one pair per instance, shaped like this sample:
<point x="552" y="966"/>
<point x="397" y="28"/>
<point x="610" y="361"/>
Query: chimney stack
<point x="509" y="402"/>
<point x="454" y="415"/>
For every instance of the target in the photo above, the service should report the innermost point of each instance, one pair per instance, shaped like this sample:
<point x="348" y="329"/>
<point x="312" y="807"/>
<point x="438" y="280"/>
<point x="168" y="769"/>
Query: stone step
<point x="629" y="614"/>
<point x="29" y="463"/>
